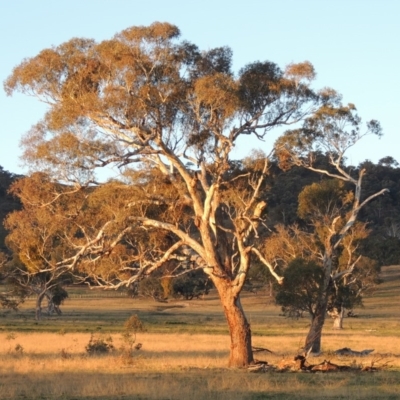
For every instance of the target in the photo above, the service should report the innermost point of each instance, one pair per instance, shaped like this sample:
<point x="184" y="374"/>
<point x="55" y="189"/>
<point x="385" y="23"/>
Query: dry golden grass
<point x="50" y="365"/>
<point x="173" y="366"/>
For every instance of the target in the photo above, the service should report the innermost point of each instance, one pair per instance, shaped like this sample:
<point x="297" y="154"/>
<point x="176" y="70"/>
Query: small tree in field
<point x="35" y="240"/>
<point x="131" y="326"/>
<point x="303" y="286"/>
<point x="352" y="274"/>
<point x="167" y="116"/>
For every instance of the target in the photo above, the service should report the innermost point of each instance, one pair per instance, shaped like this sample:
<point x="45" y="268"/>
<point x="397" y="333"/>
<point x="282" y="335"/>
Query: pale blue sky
<point x="353" y="44"/>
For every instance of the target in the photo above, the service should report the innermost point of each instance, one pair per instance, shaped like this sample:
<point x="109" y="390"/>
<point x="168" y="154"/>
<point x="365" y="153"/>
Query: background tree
<point x="303" y="283"/>
<point x="44" y="286"/>
<point x="333" y="129"/>
<point x="9" y="296"/>
<point x="260" y="279"/>
<point x="383" y="216"/>
<point x="301" y="288"/>
<point x="35" y="239"/>
<point x="57" y="296"/>
<point x="192" y="284"/>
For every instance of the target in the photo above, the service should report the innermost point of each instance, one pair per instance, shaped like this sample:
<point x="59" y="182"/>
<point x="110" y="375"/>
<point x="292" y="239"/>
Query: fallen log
<point x="300" y="364"/>
<point x="346" y="351"/>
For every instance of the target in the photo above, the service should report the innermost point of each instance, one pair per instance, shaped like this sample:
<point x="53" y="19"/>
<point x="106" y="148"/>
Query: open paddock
<point x="185" y="351"/>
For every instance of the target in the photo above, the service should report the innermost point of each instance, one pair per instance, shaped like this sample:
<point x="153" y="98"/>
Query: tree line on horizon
<point x="381" y="246"/>
<point x="382" y="216"/>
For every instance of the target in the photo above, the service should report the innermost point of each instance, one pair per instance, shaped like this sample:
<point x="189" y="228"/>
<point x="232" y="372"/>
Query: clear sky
<point x="353" y="44"/>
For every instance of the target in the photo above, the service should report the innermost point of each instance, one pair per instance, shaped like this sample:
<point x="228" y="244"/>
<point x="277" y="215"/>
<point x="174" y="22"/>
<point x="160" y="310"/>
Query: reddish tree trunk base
<point x="241" y="353"/>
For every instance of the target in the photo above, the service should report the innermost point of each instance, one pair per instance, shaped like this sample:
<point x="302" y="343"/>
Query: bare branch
<point x="267" y="264"/>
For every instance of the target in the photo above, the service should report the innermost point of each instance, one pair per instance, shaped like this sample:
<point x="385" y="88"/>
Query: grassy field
<point x="185" y="351"/>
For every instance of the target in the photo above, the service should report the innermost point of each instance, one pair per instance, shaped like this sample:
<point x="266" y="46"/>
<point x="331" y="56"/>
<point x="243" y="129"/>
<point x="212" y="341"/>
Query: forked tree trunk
<point x="241" y="353"/>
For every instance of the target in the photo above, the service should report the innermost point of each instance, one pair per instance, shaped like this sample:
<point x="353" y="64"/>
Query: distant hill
<point x="384" y="302"/>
